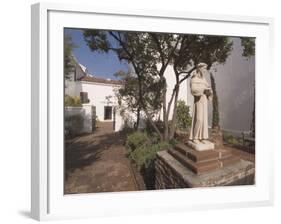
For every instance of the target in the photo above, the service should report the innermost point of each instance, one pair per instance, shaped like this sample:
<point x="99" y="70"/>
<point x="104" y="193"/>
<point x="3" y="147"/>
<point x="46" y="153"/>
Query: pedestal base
<point x="201" y="146"/>
<point x="202" y="161"/>
<point x="171" y="174"/>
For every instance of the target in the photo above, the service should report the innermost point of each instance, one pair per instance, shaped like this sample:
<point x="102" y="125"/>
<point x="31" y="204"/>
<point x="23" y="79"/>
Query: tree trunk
<point x="253" y="124"/>
<point x="174" y="118"/>
<point x="138" y="117"/>
<point x="165" y="117"/>
<point x="153" y="124"/>
<point x="140" y="99"/>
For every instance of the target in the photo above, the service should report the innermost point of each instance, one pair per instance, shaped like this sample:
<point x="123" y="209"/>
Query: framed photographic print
<point x="148" y="111"/>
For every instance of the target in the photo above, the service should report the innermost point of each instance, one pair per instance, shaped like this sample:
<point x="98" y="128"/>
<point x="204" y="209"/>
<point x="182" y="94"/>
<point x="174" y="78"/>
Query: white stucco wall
<point x="184" y="94"/>
<point x="97" y="93"/>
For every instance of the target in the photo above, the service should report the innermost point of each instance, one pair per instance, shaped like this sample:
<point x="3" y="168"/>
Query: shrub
<point x="73" y="125"/>
<point x="230" y="139"/>
<point x="145" y="155"/>
<point x="142" y="149"/>
<point x="183" y="121"/>
<point x="136" y="140"/>
<point x="70" y="101"/>
<point x="173" y="142"/>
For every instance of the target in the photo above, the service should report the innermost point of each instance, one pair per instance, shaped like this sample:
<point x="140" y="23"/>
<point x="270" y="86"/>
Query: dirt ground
<point x="98" y="163"/>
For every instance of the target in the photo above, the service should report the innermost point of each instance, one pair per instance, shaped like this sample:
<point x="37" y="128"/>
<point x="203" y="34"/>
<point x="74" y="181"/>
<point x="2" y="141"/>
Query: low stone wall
<point x="171" y="174"/>
<point x="166" y="177"/>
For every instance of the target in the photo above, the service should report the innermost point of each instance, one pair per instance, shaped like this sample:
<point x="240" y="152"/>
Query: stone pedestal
<point x="202" y="161"/>
<point x="172" y="172"/>
<point x="201" y="146"/>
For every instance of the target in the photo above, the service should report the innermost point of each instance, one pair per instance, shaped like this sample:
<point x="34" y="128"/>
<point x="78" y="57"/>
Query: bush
<point x="184" y="119"/>
<point x="70" y="101"/>
<point x="136" y="140"/>
<point x="230" y="139"/>
<point x="142" y="149"/>
<point x="173" y="142"/>
<point x="145" y="155"/>
<point x="73" y="125"/>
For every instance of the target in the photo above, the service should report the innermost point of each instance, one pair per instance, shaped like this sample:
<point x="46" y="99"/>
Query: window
<point x="107" y="113"/>
<point x="84" y="97"/>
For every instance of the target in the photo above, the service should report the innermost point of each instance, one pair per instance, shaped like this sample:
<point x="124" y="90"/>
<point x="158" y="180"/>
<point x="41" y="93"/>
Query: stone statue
<point x="202" y="92"/>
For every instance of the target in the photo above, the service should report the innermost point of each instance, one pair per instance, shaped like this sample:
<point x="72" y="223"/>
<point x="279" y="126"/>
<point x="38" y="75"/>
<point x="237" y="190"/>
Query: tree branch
<point x="188" y="74"/>
<point x="153" y="35"/>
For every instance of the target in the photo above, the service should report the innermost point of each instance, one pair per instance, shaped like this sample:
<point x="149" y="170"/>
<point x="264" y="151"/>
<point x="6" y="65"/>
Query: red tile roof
<point x="100" y="80"/>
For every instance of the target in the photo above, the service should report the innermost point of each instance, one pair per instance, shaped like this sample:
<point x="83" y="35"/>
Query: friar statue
<point x="202" y="92"/>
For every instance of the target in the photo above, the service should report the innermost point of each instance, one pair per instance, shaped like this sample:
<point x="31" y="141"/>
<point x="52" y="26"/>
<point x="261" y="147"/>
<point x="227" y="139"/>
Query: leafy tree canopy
<point x="149" y="54"/>
<point x="68" y="56"/>
<point x="248" y="44"/>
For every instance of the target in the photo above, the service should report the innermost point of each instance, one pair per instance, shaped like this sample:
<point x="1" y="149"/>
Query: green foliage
<point x="70" y="101"/>
<point x="69" y="62"/>
<point x="173" y="142"/>
<point x="201" y="48"/>
<point x="136" y="140"/>
<point x="248" y="44"/>
<point x="135" y="97"/>
<point x="73" y="125"/>
<point x="142" y="149"/>
<point x="215" y="101"/>
<point x="184" y="119"/>
<point x="144" y="156"/>
<point x="139" y="96"/>
<point x="232" y="140"/>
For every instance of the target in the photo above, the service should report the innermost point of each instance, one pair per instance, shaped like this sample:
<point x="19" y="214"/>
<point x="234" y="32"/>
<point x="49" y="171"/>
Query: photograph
<point x="154" y="111"/>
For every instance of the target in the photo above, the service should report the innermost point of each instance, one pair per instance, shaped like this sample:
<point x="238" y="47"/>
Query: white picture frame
<point x="48" y="201"/>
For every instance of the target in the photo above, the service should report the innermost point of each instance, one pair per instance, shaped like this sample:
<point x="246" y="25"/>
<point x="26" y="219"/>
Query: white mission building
<point x="98" y="98"/>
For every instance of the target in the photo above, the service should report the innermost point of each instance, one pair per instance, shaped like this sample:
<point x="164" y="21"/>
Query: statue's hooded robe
<point x="199" y="126"/>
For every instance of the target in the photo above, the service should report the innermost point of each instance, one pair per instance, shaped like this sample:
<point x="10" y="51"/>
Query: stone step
<point x="197" y="168"/>
<point x="197" y="156"/>
<point x="203" y="156"/>
<point x="229" y="160"/>
<point x="225" y="158"/>
<point x="224" y="153"/>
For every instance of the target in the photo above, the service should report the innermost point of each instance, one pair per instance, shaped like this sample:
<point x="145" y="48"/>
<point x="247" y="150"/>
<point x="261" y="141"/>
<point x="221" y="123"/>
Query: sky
<point x="234" y="80"/>
<point x="98" y="64"/>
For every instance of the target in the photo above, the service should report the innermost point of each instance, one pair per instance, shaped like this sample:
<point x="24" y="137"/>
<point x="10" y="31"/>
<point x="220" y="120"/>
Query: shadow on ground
<point x="98" y="163"/>
<point x="85" y="150"/>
